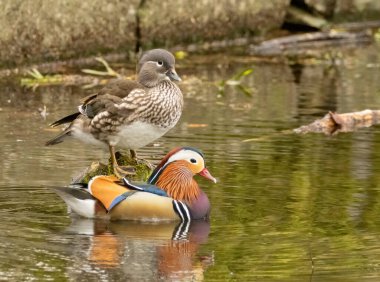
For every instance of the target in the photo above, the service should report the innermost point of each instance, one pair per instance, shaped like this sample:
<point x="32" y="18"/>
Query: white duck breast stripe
<point x="178" y="210"/>
<point x="182" y="210"/>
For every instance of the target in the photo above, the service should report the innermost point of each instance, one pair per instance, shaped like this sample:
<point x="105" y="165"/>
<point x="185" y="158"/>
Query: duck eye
<point x="193" y="161"/>
<point x="160" y="63"/>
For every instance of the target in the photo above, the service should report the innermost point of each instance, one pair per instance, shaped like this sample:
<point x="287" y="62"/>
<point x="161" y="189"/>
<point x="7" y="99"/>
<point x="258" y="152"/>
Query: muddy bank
<point x="40" y="30"/>
<point x="35" y="31"/>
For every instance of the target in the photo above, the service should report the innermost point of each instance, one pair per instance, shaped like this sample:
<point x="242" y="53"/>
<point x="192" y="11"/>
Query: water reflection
<point x="284" y="202"/>
<point x="166" y="251"/>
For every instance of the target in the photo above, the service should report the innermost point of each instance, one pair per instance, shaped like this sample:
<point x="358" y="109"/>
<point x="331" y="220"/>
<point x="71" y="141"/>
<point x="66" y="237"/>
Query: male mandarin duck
<point x="129" y="114"/>
<point x="171" y="192"/>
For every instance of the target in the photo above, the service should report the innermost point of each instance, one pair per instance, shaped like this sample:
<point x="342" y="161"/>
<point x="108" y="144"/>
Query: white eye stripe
<point x="160" y="63"/>
<point x="187" y="155"/>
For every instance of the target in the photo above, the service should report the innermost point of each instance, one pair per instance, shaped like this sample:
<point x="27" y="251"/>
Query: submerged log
<point x="333" y="123"/>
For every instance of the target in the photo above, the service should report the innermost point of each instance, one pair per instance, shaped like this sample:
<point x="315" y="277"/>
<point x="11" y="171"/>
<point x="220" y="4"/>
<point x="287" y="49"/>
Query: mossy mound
<point x="141" y="169"/>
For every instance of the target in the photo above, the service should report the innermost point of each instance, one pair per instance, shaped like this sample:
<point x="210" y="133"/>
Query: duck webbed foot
<point x="120" y="170"/>
<point x="123" y="171"/>
<point x="140" y="161"/>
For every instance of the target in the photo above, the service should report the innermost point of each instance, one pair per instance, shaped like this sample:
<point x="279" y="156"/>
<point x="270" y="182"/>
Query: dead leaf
<point x="197" y="125"/>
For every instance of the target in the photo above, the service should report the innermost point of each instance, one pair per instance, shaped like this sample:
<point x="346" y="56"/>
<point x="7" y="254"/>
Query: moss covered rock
<point x="141" y="169"/>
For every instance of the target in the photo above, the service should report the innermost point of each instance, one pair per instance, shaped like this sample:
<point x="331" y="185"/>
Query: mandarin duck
<point x="171" y="192"/>
<point x="129" y="114"/>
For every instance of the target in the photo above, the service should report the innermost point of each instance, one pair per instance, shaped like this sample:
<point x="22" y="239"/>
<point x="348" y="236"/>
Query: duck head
<point x="155" y="66"/>
<point x="175" y="174"/>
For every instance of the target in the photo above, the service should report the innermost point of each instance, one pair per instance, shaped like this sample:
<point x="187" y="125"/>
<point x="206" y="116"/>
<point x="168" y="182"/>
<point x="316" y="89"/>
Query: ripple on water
<point x="287" y="207"/>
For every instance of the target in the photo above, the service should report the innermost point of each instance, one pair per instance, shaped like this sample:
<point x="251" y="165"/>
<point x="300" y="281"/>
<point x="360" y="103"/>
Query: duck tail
<point x="66" y="119"/>
<point x="59" y="138"/>
<point x="79" y="201"/>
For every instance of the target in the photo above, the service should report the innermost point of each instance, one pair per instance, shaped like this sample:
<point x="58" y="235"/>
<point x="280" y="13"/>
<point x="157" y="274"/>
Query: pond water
<point x="287" y="207"/>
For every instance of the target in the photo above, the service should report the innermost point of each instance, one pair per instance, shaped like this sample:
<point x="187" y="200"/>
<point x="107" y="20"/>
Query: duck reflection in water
<point x="150" y="250"/>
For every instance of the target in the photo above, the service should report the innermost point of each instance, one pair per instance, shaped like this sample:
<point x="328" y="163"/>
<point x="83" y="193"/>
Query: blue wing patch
<point x="120" y="198"/>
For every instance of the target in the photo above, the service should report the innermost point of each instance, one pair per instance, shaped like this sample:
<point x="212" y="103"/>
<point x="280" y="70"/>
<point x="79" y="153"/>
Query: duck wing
<point x="114" y="91"/>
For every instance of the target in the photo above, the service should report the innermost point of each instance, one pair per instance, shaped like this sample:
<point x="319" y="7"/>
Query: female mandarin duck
<point x="171" y="192"/>
<point x="129" y="114"/>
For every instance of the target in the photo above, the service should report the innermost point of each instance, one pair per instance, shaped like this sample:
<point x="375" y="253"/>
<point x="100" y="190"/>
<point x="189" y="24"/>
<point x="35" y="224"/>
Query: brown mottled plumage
<point x="129" y="114"/>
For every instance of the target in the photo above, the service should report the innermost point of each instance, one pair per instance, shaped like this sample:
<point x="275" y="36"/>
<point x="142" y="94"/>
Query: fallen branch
<point x="333" y="123"/>
<point x="302" y="43"/>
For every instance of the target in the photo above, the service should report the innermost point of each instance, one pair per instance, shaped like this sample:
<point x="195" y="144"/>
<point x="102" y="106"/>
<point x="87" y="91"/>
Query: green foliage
<point x="36" y="79"/>
<point x="236" y="81"/>
<point x="109" y="71"/>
